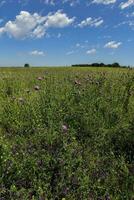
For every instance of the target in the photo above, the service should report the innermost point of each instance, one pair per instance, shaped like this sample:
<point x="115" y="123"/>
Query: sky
<point x="65" y="32"/>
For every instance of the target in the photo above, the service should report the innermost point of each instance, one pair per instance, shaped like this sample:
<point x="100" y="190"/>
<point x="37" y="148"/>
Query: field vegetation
<point x="66" y="133"/>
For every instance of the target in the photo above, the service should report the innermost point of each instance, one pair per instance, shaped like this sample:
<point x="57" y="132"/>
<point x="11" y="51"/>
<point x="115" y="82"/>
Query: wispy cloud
<point x="127" y="4"/>
<point x="91" y="22"/>
<point x="105" y="2"/>
<point x="112" y="45"/>
<point x="70" y="53"/>
<point x="37" y="53"/>
<point x="50" y="2"/>
<point x="91" y="51"/>
<point x="2" y="3"/>
<point x="71" y="2"/>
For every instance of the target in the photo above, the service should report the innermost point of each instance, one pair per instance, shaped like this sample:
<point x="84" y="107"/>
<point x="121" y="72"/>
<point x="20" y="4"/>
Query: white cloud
<point x="78" y="45"/>
<point x="1" y="20"/>
<point x="2" y="3"/>
<point x="24" y="25"/>
<point x="130" y="14"/>
<point x="130" y="23"/>
<point x="54" y="2"/>
<point x="91" y="22"/>
<point x="70" y="53"/>
<point x="58" y="20"/>
<point x="127" y="4"/>
<point x="59" y="35"/>
<point x="33" y="25"/>
<point x="2" y="30"/>
<point x="105" y="2"/>
<point x="112" y="45"/>
<point x="39" y="31"/>
<point x="71" y="2"/>
<point x="51" y="2"/>
<point x="91" y="51"/>
<point x="37" y="53"/>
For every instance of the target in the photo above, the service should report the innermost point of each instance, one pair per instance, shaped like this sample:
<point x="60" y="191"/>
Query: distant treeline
<point x="116" y="65"/>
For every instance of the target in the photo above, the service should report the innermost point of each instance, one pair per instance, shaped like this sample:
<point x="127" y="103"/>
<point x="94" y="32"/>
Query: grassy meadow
<point x="66" y="134"/>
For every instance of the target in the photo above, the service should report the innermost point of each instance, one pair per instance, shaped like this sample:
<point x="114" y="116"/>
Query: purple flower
<point x="36" y="87"/>
<point x="64" y="128"/>
<point x="107" y="197"/>
<point x="40" y="78"/>
<point x="77" y="82"/>
<point x="21" y="100"/>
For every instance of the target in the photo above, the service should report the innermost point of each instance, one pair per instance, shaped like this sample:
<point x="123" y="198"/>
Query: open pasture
<point x="66" y="133"/>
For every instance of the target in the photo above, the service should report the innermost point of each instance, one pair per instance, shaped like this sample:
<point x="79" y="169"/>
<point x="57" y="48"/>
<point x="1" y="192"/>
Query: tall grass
<point x="66" y="133"/>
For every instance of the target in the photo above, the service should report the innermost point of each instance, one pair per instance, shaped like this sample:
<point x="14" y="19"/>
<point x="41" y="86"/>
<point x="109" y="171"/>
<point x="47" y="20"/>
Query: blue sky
<point x="64" y="32"/>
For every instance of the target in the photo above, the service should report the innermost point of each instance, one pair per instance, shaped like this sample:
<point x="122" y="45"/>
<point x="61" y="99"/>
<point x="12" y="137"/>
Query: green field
<point x="66" y="134"/>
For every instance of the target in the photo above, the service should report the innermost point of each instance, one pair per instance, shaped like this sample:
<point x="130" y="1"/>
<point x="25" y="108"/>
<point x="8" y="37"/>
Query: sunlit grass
<point x="66" y="133"/>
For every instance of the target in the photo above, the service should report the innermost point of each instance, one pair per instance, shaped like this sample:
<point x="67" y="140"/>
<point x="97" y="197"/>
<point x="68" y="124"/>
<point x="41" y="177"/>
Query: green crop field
<point x="66" y="133"/>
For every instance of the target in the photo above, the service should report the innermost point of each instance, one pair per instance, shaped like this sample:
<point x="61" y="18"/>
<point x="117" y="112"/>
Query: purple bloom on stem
<point x="36" y="87"/>
<point x="21" y="100"/>
<point x="40" y="78"/>
<point x="77" y="82"/>
<point x="64" y="128"/>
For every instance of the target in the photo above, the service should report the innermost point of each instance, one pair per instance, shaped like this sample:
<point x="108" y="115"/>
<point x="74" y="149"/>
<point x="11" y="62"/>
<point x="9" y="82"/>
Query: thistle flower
<point x="21" y="100"/>
<point x="40" y="78"/>
<point x="64" y="128"/>
<point x="77" y="82"/>
<point x="36" y="87"/>
<point x="107" y="197"/>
